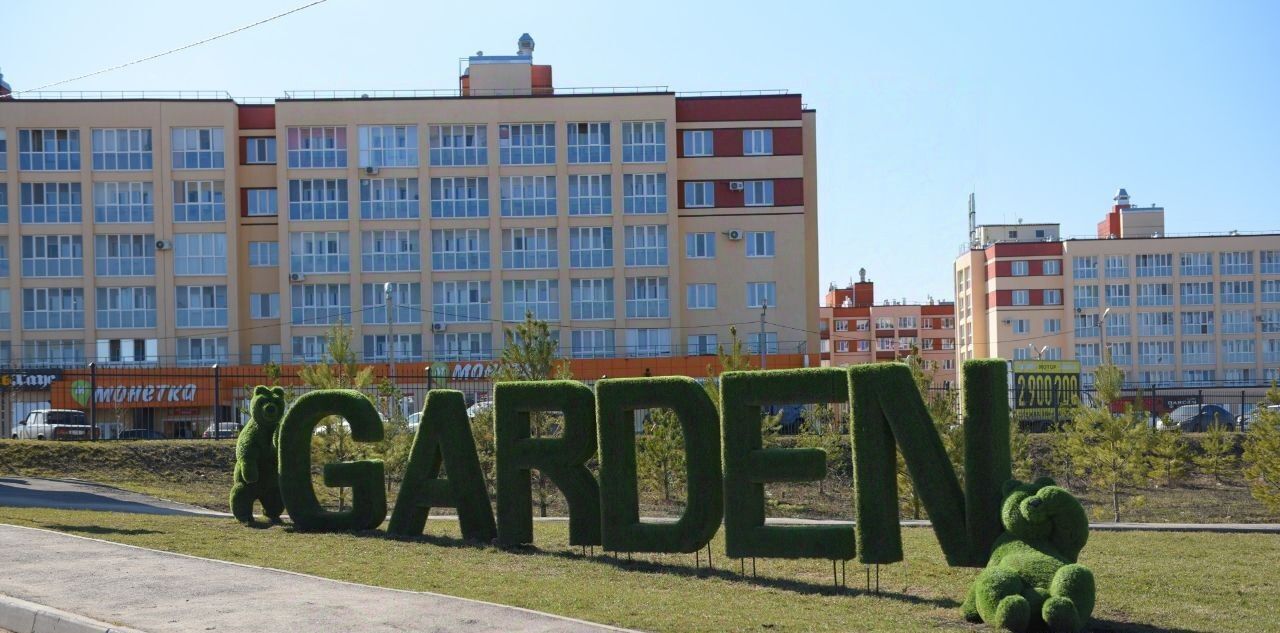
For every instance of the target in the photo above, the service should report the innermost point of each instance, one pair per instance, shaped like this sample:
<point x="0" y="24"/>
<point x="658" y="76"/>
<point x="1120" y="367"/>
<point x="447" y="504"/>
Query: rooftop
<point x="424" y="93"/>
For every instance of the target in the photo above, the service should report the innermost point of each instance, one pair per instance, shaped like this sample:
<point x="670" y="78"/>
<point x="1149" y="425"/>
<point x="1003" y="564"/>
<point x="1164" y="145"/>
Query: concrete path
<point x="66" y="494"/>
<point x="159" y="592"/>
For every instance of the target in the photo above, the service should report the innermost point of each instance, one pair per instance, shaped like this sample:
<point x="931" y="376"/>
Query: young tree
<point x="822" y="429"/>
<point x="660" y="453"/>
<point x="1217" y="451"/>
<point x="531" y="353"/>
<point x="332" y="442"/>
<point x="1262" y="452"/>
<point x="731" y="358"/>
<point x="1109" y="451"/>
<point x="1022" y="460"/>
<point x="1170" y="454"/>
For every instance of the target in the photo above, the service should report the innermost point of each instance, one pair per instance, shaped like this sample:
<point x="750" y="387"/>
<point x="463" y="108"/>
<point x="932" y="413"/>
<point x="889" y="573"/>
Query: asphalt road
<point x="63" y="494"/>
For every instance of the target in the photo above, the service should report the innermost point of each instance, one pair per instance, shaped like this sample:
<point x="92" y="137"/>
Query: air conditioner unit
<point x="371" y="171"/>
<point x="735" y="185"/>
<point x="296" y="277"/>
<point x="733" y="234"/>
<point x="437" y="327"/>
<point x="163" y="245"/>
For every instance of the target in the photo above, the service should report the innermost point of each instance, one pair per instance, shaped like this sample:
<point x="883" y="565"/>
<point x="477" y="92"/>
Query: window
<point x="1155" y="294"/>
<point x="1051" y="267"/>
<point x="202" y="350"/>
<point x="761" y="294"/>
<point x="698" y="194"/>
<point x="459" y="197"/>
<point x="49" y="150"/>
<point x="407" y="347"/>
<point x="1087" y="326"/>
<point x="197" y="148"/>
<point x="122" y="149"/>
<point x="646" y="342"/>
<point x="907" y="322"/>
<point x="647" y="298"/>
<point x="313" y="348"/>
<point x="123" y="202"/>
<point x="459" y="145"/>
<point x="1237" y="321"/>
<point x="926" y="323"/>
<point x="1155" y="324"/>
<point x="524" y="196"/>
<point x="1197" y="323"/>
<point x="760" y="244"/>
<point x="862" y="325"/>
<point x="199" y="201"/>
<point x="51" y="202"/>
<point x="1271" y="290"/>
<point x="644" y="193"/>
<point x="1156" y="378"/>
<point x="388" y="145"/>
<point x="1268" y="261"/>
<point x="1196" y="264"/>
<point x="1085" y="267"/>
<point x="527" y="143"/>
<point x="52" y="308"/>
<point x="770" y="342"/>
<point x="1154" y="265"/>
<point x="1234" y="292"/>
<point x="591" y="247"/>
<point x="591" y="299"/>
<point x="264" y="306"/>
<point x="260" y="150"/>
<point x="925" y="344"/>
<point x="1196" y="293"/>
<point x="131" y="307"/>
<point x="1198" y="353"/>
<point x="865" y="345"/>
<point x="201" y="306"/>
<point x="540" y="297"/>
<point x="1239" y="376"/>
<point x="885" y="344"/>
<point x="55" y="353"/>
<point x="1271" y="354"/>
<point x="389" y="199"/>
<point x="1271" y="321"/>
<point x="1117" y="266"/>
<point x="200" y="254"/>
<point x="127" y="350"/>
<point x="4" y="201"/>
<point x="699" y="143"/>
<point x="124" y="255"/>
<point x="758" y="193"/>
<point x="460" y="249"/>
<point x="390" y="251"/>
<point x="319" y="252"/>
<point x="644" y="141"/>
<point x="1155" y="352"/>
<point x="1238" y="351"/>
<point x="461" y="301"/>
<point x="757" y="142"/>
<point x="52" y="256"/>
<point x="463" y="345"/>
<point x="529" y="248"/>
<point x="1118" y="325"/>
<point x="261" y="202"/>
<point x="405" y="296"/>
<point x="263" y="353"/>
<point x="1020" y="268"/>
<point x="1021" y="353"/>
<point x="700" y="296"/>
<point x="318" y="199"/>
<point x="1021" y="297"/>
<point x="1086" y="296"/>
<point x="646" y="245"/>
<point x="1195" y="377"/>
<point x="4" y="151"/>
<point x="842" y="325"/>
<point x="317" y="147"/>
<point x="700" y="245"/>
<point x="1236" y="263"/>
<point x="589" y="143"/>
<point x="884" y="323"/>
<point x="590" y="194"/>
<point x="1021" y="326"/>
<point x="320" y="304"/>
<point x="1117" y="295"/>
<point x="705" y="345"/>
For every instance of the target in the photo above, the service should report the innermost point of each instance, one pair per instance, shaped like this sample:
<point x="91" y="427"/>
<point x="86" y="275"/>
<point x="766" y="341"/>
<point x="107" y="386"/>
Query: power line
<point x="174" y="50"/>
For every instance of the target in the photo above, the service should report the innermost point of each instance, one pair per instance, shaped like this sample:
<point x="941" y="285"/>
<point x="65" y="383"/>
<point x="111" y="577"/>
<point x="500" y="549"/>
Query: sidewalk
<point x="159" y="592"/>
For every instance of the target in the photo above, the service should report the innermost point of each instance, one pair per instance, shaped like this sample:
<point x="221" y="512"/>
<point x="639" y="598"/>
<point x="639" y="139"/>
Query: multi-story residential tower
<point x="854" y="329"/>
<point x="1171" y="310"/>
<point x="198" y="230"/>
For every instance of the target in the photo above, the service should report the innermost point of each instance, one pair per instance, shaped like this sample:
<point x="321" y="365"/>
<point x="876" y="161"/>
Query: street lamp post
<point x="388" y="290"/>
<point x="1106" y="351"/>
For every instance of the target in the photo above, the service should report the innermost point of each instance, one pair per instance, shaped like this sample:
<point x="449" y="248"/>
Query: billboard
<point x="1042" y="389"/>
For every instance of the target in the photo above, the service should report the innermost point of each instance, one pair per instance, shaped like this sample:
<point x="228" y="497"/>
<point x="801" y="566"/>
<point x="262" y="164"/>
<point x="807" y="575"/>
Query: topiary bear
<point x="1032" y="580"/>
<point x="257" y="477"/>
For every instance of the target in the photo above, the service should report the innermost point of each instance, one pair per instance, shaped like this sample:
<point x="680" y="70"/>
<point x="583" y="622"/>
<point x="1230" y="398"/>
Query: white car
<point x="480" y="407"/>
<point x="54" y="424"/>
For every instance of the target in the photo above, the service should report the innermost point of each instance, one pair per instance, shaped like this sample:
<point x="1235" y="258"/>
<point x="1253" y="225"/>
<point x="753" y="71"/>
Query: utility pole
<point x="764" y="308"/>
<point x="1106" y="351"/>
<point x="389" y="290"/>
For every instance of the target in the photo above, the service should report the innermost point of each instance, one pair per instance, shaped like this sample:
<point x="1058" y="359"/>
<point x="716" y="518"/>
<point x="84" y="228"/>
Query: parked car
<point x="54" y="424"/>
<point x="1197" y="418"/>
<point x="1245" y="419"/>
<point x="790" y="417"/>
<point x="224" y="431"/>
<point x="480" y="407"/>
<point x="140" y="434"/>
<point x="413" y="421"/>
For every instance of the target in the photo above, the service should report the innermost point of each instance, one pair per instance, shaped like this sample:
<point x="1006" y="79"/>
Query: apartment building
<point x="1170" y="310"/>
<point x="195" y="229"/>
<point x="854" y="329"/>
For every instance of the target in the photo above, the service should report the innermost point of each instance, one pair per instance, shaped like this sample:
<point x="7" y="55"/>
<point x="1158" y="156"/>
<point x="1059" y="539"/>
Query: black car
<point x="1197" y="418"/>
<point x="141" y="434"/>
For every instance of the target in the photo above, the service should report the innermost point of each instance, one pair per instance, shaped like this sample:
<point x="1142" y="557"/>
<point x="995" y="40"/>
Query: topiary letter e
<point x="256" y="477"/>
<point x="1032" y="580"/>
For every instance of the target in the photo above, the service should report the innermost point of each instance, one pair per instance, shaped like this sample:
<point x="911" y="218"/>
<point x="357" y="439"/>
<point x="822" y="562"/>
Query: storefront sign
<point x="20" y="380"/>
<point x="138" y="394"/>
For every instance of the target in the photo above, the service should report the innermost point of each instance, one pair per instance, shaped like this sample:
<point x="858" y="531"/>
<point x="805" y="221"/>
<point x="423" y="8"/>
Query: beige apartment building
<point x="193" y="230"/>
<point x="854" y="329"/>
<point x="1171" y="310"/>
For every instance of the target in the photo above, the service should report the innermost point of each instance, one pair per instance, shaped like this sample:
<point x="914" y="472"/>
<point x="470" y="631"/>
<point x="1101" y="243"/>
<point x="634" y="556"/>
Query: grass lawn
<point x="1147" y="581"/>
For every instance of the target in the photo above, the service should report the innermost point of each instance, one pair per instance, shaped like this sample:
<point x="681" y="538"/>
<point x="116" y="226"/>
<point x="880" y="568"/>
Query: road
<point x="63" y="494"/>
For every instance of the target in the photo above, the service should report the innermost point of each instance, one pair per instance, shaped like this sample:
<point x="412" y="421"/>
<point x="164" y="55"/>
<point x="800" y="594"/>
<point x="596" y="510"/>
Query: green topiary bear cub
<point x="1032" y="580"/>
<point x="257" y="477"/>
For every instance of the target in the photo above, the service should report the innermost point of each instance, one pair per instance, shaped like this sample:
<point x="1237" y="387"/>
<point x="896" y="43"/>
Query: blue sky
<point x="1042" y="109"/>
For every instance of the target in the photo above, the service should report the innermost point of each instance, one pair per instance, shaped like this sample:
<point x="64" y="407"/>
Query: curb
<point x="21" y="616"/>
